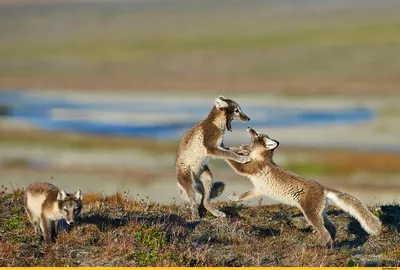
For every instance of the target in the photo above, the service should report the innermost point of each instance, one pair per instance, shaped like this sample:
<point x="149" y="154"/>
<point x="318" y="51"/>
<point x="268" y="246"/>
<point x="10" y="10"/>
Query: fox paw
<point x="235" y="149"/>
<point x="245" y="159"/>
<point x="233" y="198"/>
<point x="222" y="215"/>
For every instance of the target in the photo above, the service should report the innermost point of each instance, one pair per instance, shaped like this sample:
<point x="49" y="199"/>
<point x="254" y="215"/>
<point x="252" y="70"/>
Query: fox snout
<point x="70" y="219"/>
<point x="252" y="132"/>
<point x="244" y="118"/>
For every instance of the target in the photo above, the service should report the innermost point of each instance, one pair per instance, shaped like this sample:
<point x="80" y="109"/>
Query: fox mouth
<point x="229" y="124"/>
<point x="250" y="144"/>
<point x="243" y="118"/>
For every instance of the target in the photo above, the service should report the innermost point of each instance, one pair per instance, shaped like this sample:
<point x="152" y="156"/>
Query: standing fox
<point x="205" y="140"/>
<point x="309" y="196"/>
<point x="45" y="204"/>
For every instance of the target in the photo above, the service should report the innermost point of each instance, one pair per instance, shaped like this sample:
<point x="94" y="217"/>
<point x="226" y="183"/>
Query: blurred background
<point x="96" y="94"/>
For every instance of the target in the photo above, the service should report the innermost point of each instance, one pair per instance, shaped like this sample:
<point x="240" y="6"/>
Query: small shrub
<point x="351" y="263"/>
<point x="151" y="237"/>
<point x="152" y="242"/>
<point x="16" y="222"/>
<point x="18" y="238"/>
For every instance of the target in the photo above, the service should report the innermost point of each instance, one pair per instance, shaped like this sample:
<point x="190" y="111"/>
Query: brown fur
<point x="201" y="142"/>
<point x="309" y="196"/>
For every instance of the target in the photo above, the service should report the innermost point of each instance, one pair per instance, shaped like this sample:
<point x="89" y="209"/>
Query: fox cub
<point x="45" y="204"/>
<point x="203" y="141"/>
<point x="309" y="196"/>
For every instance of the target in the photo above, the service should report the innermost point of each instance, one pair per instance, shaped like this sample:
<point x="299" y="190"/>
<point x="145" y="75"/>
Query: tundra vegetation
<point x="126" y="230"/>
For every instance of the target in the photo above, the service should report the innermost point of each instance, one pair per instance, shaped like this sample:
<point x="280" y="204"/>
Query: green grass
<point x="15" y="222"/>
<point x="312" y="168"/>
<point x="355" y="52"/>
<point x="114" y="50"/>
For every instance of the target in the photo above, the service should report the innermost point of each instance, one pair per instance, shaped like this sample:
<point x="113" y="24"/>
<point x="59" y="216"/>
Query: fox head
<point x="260" y="143"/>
<point x="231" y="110"/>
<point x="70" y="205"/>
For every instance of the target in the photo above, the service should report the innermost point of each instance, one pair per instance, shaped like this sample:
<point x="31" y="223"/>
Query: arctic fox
<point x="203" y="141"/>
<point x="45" y="204"/>
<point x="309" y="196"/>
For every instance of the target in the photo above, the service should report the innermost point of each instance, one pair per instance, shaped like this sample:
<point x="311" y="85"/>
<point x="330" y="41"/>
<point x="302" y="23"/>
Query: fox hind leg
<point x="186" y="182"/>
<point x="34" y="221"/>
<point x="207" y="181"/>
<point x="328" y="224"/>
<point x="330" y="227"/>
<point x="315" y="216"/>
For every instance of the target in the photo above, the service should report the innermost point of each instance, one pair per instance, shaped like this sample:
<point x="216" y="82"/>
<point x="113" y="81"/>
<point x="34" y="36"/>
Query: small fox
<point x="201" y="142"/>
<point x="309" y="196"/>
<point x="45" y="204"/>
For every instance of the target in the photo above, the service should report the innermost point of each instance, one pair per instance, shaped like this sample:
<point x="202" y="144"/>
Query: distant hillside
<point x="276" y="46"/>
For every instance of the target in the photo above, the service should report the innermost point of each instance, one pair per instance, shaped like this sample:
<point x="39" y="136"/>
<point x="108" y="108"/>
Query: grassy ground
<point x="124" y="230"/>
<point x="319" y="47"/>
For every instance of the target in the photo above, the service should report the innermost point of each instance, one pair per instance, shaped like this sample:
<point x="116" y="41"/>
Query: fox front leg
<point x="227" y="154"/>
<point x="240" y="151"/>
<point x="245" y="196"/>
<point x="46" y="229"/>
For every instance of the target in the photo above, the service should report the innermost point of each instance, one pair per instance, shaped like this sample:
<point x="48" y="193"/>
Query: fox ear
<point x="78" y="195"/>
<point x="221" y="97"/>
<point x="61" y="195"/>
<point x="220" y="104"/>
<point x="270" y="144"/>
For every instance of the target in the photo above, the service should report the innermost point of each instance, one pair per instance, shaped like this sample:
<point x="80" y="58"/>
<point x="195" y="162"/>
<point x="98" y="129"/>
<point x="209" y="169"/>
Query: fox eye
<point x="65" y="210"/>
<point x="236" y="111"/>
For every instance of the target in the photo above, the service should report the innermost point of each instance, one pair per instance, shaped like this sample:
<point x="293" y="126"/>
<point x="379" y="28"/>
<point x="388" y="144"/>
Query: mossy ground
<point x="124" y="230"/>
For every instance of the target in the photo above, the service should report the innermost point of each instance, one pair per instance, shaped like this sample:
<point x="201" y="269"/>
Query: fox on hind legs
<point x="204" y="141"/>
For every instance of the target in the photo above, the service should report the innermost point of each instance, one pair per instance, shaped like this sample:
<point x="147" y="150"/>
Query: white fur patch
<point x="220" y="104"/>
<point x="353" y="212"/>
<point x="271" y="189"/>
<point x="34" y="204"/>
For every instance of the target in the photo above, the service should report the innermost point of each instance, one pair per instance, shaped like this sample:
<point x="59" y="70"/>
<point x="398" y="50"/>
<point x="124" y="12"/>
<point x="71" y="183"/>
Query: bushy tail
<point x="355" y="208"/>
<point x="216" y="190"/>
